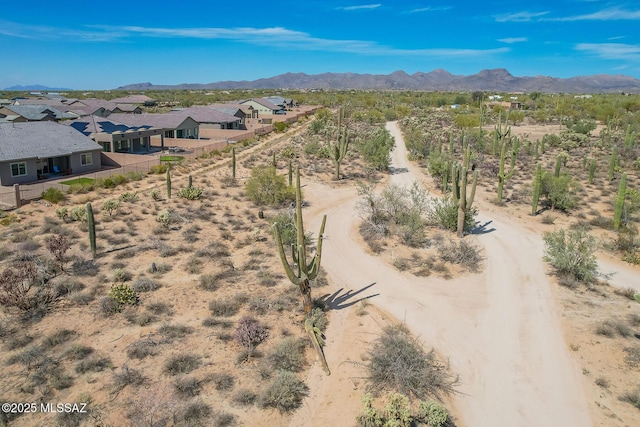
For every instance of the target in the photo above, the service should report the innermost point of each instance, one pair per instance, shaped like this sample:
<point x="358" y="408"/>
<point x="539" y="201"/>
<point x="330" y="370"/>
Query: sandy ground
<point x="499" y="329"/>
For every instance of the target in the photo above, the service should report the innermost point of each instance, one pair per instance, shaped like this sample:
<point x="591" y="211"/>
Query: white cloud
<point x="510" y="40"/>
<point x="271" y="36"/>
<point x="430" y="9"/>
<point x="519" y="16"/>
<point x="618" y="51"/>
<point x="364" y="6"/>
<point x="613" y="14"/>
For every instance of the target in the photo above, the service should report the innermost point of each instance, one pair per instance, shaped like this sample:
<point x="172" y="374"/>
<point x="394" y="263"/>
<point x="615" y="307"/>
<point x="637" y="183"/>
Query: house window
<point x="86" y="159"/>
<point x="18" y="169"/>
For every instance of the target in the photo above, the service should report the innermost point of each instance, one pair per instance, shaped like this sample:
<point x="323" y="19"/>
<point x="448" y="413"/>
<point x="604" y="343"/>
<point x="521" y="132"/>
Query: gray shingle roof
<point x="161" y="121"/>
<point x="28" y="140"/>
<point x="38" y="111"/>
<point x="204" y="114"/>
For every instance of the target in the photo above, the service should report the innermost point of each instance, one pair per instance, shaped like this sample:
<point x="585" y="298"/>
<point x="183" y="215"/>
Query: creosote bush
<point x="266" y="187"/>
<point x="398" y="363"/>
<point x="284" y="393"/>
<point x="572" y="252"/>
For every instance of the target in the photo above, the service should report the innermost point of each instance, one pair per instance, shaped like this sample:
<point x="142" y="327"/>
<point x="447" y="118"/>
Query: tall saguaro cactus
<point x="464" y="202"/>
<point x="233" y="163"/>
<point x="622" y="192"/>
<point x="504" y="136"/>
<point x="91" y="223"/>
<point x="613" y="162"/>
<point x="592" y="170"/>
<point x="168" y="183"/>
<point x="340" y="146"/>
<point x="537" y="183"/>
<point x="305" y="271"/>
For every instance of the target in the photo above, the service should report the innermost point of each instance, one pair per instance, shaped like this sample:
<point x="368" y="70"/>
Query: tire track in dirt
<point x="499" y="328"/>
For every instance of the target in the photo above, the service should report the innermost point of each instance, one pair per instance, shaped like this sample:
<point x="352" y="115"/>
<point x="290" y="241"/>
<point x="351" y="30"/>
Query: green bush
<point x="432" y="413"/>
<point x="559" y="192"/>
<point x="79" y="213"/>
<point x="266" y="187"/>
<point x="285" y="393"/>
<point x="444" y="213"/>
<point x="53" y="195"/>
<point x="122" y="294"/>
<point x="376" y="149"/>
<point x="437" y="163"/>
<point x="158" y="169"/>
<point x="572" y="252"/>
<point x="280" y="126"/>
<point x="190" y="193"/>
<point x="110" y="206"/>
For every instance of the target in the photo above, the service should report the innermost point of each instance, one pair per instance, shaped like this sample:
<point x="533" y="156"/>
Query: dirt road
<point x="499" y="328"/>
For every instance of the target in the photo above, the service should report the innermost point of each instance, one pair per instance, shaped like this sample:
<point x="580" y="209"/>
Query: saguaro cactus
<point x="592" y="170"/>
<point x="622" y="192"/>
<point x="168" y="183"/>
<point x="464" y="203"/>
<point x="504" y="135"/>
<point x="290" y="173"/>
<point x="233" y="163"/>
<point x="613" y="162"/>
<point x="537" y="183"/>
<point x="190" y="183"/>
<point x="91" y="223"/>
<point x="556" y="172"/>
<point x="340" y="146"/>
<point x="305" y="271"/>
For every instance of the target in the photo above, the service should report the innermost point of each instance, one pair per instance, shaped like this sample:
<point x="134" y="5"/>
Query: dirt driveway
<point x="499" y="329"/>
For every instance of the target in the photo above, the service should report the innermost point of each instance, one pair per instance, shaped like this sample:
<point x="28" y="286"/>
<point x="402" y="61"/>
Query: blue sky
<point x="102" y="45"/>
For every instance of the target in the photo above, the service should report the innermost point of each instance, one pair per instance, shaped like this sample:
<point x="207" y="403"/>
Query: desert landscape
<point x="185" y="315"/>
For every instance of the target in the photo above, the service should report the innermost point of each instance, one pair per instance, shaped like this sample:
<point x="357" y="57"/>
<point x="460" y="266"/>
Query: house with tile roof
<point x="211" y="118"/>
<point x="35" y="150"/>
<point x="33" y="113"/>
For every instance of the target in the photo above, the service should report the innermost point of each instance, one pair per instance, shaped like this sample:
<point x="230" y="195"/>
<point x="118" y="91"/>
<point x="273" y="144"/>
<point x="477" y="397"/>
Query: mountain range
<point x="499" y="80"/>
<point x="39" y="88"/>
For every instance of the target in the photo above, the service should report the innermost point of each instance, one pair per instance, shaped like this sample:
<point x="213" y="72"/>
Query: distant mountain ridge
<point x="437" y="80"/>
<point x="39" y="88"/>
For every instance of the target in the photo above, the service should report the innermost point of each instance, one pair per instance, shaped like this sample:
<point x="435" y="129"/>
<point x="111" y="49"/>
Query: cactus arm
<point x="313" y="334"/>
<point x="283" y="257"/>
<point x="314" y="265"/>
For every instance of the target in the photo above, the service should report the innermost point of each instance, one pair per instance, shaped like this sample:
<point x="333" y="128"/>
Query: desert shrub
<point x="444" y="213"/>
<point x="158" y="169"/>
<point x="289" y="355"/>
<point x="181" y="364"/>
<point x="127" y="376"/>
<point x="318" y="318"/>
<point x="22" y="287"/>
<point x="284" y="393"/>
<point x="432" y="413"/>
<point x="224" y="308"/>
<point x="94" y="364"/>
<point x="175" y="331"/>
<point x="62" y="213"/>
<point x="110" y="206"/>
<point x="58" y="245"/>
<point x="223" y="381"/>
<point x="376" y="149"/>
<point x="58" y="337"/>
<point x="52" y="195"/>
<point x="559" y="192"/>
<point x="129" y="197"/>
<point x="16" y="342"/>
<point x="249" y="334"/>
<point x="194" y="413"/>
<point x="572" y="252"/>
<point x="286" y="226"/>
<point x="188" y="386"/>
<point x="244" y="397"/>
<point x="266" y="187"/>
<point x="141" y="349"/>
<point x="79" y="213"/>
<point x="144" y="284"/>
<point x="461" y="253"/>
<point x="370" y="416"/>
<point x="397" y="411"/>
<point x="77" y="352"/>
<point x="122" y="294"/>
<point x="398" y="363"/>
<point x="190" y="193"/>
<point x="155" y="195"/>
<point x="168" y="217"/>
<point x="632" y="397"/>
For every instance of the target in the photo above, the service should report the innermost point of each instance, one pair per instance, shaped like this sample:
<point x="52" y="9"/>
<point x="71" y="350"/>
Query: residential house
<point x="243" y="111"/>
<point x="117" y="137"/>
<point x="135" y="99"/>
<point x="36" y="150"/>
<point x="264" y="106"/>
<point x="33" y="113"/>
<point x="285" y="103"/>
<point x="211" y="118"/>
<point x="172" y="125"/>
